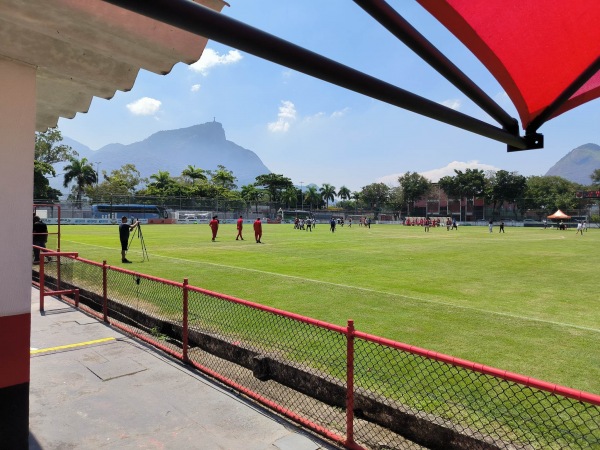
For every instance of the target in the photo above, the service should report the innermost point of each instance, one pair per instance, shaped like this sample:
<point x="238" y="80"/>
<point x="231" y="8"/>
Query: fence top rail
<point x="47" y="252"/>
<point x="278" y="312"/>
<point x="486" y="370"/>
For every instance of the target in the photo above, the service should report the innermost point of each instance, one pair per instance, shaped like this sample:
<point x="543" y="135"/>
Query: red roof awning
<point x="535" y="49"/>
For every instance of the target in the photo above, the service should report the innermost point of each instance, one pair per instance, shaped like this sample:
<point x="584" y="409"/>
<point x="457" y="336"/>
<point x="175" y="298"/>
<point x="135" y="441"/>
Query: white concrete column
<point x="17" y="140"/>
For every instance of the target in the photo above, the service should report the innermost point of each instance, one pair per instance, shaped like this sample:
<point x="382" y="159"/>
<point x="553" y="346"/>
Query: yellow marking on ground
<point x="63" y="347"/>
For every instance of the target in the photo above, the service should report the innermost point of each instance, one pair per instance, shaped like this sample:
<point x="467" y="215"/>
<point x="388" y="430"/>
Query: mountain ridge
<point x="203" y="145"/>
<point x="578" y="164"/>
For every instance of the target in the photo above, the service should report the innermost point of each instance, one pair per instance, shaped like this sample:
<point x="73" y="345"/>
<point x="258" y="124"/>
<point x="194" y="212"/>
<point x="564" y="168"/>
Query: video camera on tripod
<point x="138" y="232"/>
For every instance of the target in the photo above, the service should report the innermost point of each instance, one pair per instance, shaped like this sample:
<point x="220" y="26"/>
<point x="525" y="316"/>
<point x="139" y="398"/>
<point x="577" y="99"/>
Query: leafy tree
<point x="83" y="173"/>
<point x="344" y="193"/>
<point x="48" y="149"/>
<point x="549" y="193"/>
<point x="503" y="186"/>
<point x="396" y="200"/>
<point x="123" y="182"/>
<point x="274" y="184"/>
<point x="194" y="173"/>
<point x="327" y="192"/>
<point x="414" y="186"/>
<point x="375" y="195"/>
<point x="595" y="176"/>
<point x="41" y="185"/>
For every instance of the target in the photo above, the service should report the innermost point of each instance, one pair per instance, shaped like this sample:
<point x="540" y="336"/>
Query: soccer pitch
<point x="525" y="301"/>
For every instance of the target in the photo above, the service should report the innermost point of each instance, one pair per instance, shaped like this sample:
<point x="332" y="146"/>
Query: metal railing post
<point x="42" y="282"/>
<point x="184" y="325"/>
<point x="350" y="384"/>
<point x="104" y="292"/>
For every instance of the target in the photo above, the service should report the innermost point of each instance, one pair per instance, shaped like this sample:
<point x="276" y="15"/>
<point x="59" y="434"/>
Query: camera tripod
<point x="138" y="233"/>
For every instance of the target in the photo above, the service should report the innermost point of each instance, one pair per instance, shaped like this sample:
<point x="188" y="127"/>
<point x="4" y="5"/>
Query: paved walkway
<point x="93" y="387"/>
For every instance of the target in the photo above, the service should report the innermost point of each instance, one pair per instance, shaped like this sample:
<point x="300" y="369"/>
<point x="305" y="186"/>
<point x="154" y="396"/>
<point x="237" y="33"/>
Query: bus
<point x="139" y="211"/>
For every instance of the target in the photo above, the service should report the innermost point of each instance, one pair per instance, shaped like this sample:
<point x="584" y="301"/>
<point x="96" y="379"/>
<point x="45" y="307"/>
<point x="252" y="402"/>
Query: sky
<point x="315" y="132"/>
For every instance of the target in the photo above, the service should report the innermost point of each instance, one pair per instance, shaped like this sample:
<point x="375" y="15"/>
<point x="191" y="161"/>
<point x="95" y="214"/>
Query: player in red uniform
<point x="258" y="230"/>
<point x="240" y="225"/>
<point x="214" y="226"/>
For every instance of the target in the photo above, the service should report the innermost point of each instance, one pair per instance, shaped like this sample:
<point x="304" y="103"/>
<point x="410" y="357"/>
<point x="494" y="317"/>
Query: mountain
<point x="578" y="164"/>
<point x="203" y="146"/>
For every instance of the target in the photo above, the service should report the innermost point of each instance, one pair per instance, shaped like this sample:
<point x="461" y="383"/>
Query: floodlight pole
<point x="302" y="194"/>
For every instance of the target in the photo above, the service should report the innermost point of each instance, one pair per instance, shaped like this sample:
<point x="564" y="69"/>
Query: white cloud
<point x="145" y="106"/>
<point x="434" y="175"/>
<point x="340" y="113"/>
<point x="195" y="88"/>
<point x="452" y="103"/>
<point x="211" y="58"/>
<point x="286" y="115"/>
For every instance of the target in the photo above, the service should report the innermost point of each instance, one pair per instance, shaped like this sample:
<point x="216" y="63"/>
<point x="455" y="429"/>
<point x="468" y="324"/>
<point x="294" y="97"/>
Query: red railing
<point x="359" y="390"/>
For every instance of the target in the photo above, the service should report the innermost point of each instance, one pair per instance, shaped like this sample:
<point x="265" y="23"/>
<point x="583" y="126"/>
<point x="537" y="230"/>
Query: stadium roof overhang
<point x="544" y="54"/>
<point x="87" y="48"/>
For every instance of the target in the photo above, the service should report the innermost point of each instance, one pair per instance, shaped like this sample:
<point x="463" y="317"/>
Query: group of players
<point x="257" y="225"/>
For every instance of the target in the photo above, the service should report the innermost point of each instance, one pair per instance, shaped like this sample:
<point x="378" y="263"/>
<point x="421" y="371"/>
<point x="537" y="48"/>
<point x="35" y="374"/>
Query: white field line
<point x="373" y="291"/>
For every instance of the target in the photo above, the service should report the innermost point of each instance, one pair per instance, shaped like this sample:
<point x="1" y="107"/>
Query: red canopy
<point x="535" y="49"/>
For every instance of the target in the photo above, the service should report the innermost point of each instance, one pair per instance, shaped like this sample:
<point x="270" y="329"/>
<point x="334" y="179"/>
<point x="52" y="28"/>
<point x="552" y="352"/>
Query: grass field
<point x="524" y="301"/>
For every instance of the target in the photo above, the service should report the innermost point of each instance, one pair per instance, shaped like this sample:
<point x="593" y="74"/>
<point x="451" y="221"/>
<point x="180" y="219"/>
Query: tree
<point x="41" y="185"/>
<point x="120" y="182"/>
<point x="414" y="186"/>
<point x="327" y="192"/>
<point x="595" y="176"/>
<point x="83" y="173"/>
<point x="223" y="178"/>
<point x="252" y="195"/>
<point x="375" y="195"/>
<point x="344" y="193"/>
<point x="503" y="186"/>
<point x="549" y="193"/>
<point x="48" y="149"/>
<point x="194" y="173"/>
<point x="290" y="196"/>
<point x="312" y="197"/>
<point x="274" y="184"/>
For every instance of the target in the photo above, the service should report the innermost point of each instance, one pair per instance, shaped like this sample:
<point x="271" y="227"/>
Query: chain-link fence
<point x="358" y="390"/>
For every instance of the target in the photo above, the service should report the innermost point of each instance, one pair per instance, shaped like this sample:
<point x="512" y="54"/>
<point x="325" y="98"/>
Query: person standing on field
<point x="501" y="227"/>
<point x="124" y="229"/>
<point x="258" y="230"/>
<point x="240" y="225"/>
<point x="214" y="226"/>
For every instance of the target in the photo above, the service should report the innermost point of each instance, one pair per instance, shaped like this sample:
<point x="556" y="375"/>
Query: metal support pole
<point x="104" y="292"/>
<point x="185" y="325"/>
<point x="350" y="384"/>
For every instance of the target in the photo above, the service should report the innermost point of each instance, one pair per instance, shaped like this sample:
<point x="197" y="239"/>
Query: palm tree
<point x="344" y="193"/>
<point x="162" y="179"/>
<point x="252" y="194"/>
<point x="312" y="197"/>
<point x="194" y="173"/>
<point x="290" y="196"/>
<point x="82" y="171"/>
<point x="327" y="193"/>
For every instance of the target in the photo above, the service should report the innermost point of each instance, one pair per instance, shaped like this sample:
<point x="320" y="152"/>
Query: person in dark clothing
<point x="332" y="225"/>
<point x="124" y="229"/>
<point x="40" y="237"/>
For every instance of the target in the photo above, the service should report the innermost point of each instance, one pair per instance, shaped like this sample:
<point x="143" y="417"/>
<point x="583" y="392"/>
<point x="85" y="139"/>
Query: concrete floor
<point x="103" y="390"/>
